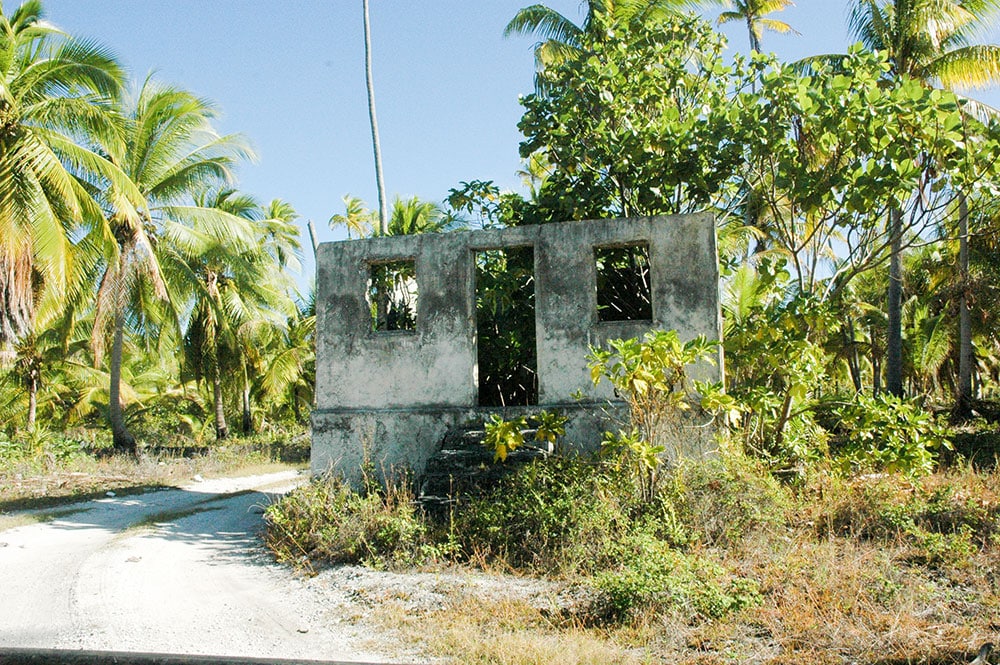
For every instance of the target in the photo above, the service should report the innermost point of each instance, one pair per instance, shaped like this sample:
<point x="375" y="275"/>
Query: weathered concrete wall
<point x="392" y="395"/>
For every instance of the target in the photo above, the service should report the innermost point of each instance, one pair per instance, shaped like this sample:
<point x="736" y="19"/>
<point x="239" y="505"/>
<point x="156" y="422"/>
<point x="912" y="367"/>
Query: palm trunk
<point x="894" y="337"/>
<point x="32" y="400"/>
<point x="964" y="401"/>
<point x="383" y="210"/>
<point x="754" y="42"/>
<point x="853" y="361"/>
<point x="875" y="355"/>
<point x="247" y="419"/>
<point x="221" y="429"/>
<point x="123" y="440"/>
<point x="295" y="403"/>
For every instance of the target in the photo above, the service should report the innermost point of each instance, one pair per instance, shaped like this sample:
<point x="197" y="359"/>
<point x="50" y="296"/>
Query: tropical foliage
<point x="857" y="217"/>
<point x="821" y="173"/>
<point x="133" y="276"/>
<point x="53" y="86"/>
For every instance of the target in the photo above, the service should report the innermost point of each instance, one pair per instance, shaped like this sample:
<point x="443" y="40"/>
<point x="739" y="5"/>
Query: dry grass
<point x="474" y="631"/>
<point x="880" y="570"/>
<point x="43" y="481"/>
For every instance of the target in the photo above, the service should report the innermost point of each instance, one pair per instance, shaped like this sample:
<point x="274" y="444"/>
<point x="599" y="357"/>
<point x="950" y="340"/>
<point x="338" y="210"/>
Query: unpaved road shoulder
<point x="169" y="571"/>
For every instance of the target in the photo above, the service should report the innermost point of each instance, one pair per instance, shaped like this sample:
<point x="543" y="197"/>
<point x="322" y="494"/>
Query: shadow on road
<point x="227" y="523"/>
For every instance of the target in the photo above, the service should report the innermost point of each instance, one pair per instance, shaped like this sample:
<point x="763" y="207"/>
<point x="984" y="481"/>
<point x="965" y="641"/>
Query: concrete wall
<point x="392" y="395"/>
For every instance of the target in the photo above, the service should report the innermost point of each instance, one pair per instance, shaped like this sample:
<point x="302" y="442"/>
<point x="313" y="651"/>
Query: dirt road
<point x="169" y="571"/>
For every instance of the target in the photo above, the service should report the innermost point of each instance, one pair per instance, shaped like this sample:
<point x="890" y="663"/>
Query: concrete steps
<point x="464" y="467"/>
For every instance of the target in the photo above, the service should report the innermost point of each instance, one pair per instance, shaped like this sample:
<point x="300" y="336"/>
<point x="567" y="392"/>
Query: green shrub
<point x="652" y="576"/>
<point x="886" y="433"/>
<point x="570" y="514"/>
<point x="651" y="376"/>
<point x="503" y="437"/>
<point x="41" y="447"/>
<point x="326" y="521"/>
<point x="558" y="514"/>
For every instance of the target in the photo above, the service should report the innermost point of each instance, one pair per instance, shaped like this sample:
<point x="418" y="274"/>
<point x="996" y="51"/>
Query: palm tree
<point x="290" y="370"/>
<point x="930" y="40"/>
<point x="408" y="217"/>
<point x="233" y="284"/>
<point x="412" y="216"/>
<point x="168" y="149"/>
<point x="53" y="90"/>
<point x="51" y="369"/>
<point x="561" y="38"/>
<point x="383" y="213"/>
<point x="281" y="235"/>
<point x="280" y="242"/>
<point x="357" y="218"/>
<point x="754" y="14"/>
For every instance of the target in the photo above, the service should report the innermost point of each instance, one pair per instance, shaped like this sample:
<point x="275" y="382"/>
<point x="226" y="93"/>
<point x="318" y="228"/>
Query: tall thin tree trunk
<point x="312" y="239"/>
<point x="121" y="437"/>
<point x="964" y="388"/>
<point x="247" y="418"/>
<point x="894" y="337"/>
<point x="383" y="209"/>
<point x="876" y="360"/>
<point x="754" y="42"/>
<point x="221" y="429"/>
<point x="32" y="399"/>
<point x="853" y="361"/>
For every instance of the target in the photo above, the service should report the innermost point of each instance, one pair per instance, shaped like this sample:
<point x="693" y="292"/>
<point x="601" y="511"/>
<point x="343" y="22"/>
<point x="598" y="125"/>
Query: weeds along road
<point x="170" y="571"/>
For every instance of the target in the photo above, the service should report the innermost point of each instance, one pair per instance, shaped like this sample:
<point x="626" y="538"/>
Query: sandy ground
<point x="174" y="571"/>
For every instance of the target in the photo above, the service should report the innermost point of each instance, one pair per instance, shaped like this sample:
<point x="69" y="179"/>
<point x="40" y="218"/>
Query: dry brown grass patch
<point x="511" y="632"/>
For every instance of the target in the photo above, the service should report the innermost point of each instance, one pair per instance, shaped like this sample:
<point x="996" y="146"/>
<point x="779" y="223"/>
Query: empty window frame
<point x="623" y="291"/>
<point x="392" y="295"/>
<point x="505" y="327"/>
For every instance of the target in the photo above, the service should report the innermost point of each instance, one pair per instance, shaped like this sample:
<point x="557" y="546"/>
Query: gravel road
<point x="169" y="571"/>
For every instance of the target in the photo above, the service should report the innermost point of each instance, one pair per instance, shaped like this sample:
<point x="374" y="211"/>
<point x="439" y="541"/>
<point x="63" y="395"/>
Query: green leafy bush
<point x="580" y="516"/>
<point x="775" y="361"/>
<point x="651" y="376"/>
<point x="559" y="514"/>
<point x="652" y="576"/>
<point x="41" y="446"/>
<point x="887" y="433"/>
<point x="505" y="436"/>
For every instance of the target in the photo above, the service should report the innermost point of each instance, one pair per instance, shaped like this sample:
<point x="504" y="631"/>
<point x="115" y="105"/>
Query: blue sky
<point x="290" y="75"/>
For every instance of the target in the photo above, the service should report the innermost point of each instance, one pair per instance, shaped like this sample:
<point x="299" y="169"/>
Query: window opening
<point x="623" y="292"/>
<point x="392" y="295"/>
<point x="505" y="327"/>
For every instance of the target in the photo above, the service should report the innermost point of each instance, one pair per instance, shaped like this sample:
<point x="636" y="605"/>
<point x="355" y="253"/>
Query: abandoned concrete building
<point x="406" y="323"/>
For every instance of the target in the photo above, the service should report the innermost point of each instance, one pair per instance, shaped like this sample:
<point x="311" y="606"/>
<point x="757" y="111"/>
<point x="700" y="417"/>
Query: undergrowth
<point x="722" y="565"/>
<point x="566" y="517"/>
<point x="327" y="521"/>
